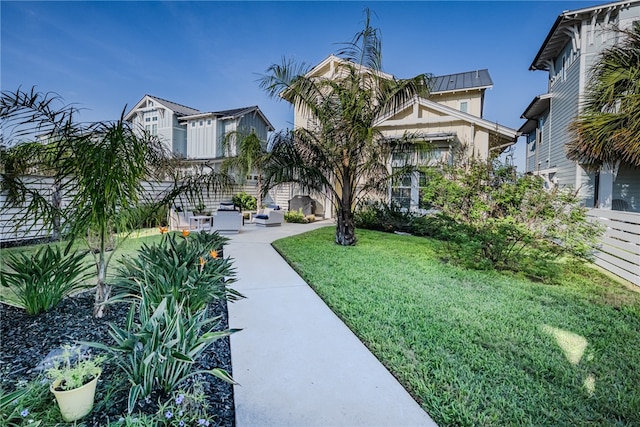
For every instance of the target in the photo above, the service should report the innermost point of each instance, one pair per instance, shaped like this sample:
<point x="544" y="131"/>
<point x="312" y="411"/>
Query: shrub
<point x="158" y="349"/>
<point x="295" y="217"/>
<point x="143" y="215"/>
<point x="247" y="202"/>
<point x="504" y="221"/>
<point x="191" y="270"/>
<point x="41" y="280"/>
<point x="169" y="286"/>
<point x="375" y="215"/>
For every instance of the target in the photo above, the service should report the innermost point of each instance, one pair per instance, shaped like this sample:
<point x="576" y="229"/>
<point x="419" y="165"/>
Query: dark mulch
<point x="26" y="340"/>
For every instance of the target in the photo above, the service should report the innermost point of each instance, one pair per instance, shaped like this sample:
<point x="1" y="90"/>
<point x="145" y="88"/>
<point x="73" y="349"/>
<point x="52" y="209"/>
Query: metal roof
<point x="468" y="80"/>
<point x="178" y="109"/>
<point x="560" y="32"/>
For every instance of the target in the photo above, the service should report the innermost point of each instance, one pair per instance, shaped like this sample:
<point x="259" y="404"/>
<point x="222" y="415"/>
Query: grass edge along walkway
<point x="482" y="348"/>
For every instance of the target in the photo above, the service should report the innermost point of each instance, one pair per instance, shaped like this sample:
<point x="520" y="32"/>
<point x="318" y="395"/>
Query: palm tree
<point x="608" y="129"/>
<point x="343" y="155"/>
<point x="245" y="154"/>
<point x="99" y="168"/>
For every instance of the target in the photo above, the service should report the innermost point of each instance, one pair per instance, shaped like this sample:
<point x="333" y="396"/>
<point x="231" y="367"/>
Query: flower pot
<point x="76" y="403"/>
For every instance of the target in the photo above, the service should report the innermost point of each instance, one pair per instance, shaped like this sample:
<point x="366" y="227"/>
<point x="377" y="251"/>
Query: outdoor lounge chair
<point x="268" y="217"/>
<point x="179" y="219"/>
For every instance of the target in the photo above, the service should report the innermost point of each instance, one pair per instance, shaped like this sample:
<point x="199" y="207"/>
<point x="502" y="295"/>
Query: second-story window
<point x="464" y="106"/>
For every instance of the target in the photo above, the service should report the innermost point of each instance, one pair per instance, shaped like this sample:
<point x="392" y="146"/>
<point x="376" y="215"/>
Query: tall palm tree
<point x="98" y="168"/>
<point x="343" y="154"/>
<point x="608" y="129"/>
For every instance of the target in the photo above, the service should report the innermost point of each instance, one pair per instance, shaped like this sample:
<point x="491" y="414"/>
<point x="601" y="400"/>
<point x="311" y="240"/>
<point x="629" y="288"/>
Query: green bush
<point x="157" y="350"/>
<point x="41" y="280"/>
<point x="296" y="217"/>
<point x="169" y="285"/>
<point x="246" y="201"/>
<point x="191" y="269"/>
<point x="504" y="221"/>
<point x="383" y="217"/>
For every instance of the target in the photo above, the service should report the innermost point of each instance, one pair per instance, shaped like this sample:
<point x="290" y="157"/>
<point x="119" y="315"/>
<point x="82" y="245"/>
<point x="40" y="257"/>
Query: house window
<point x="147" y="128"/>
<point x="154" y="129"/>
<point x="209" y="122"/>
<point x="401" y="189"/>
<point x="154" y="118"/>
<point x="193" y="124"/>
<point x="201" y="122"/>
<point x="147" y="119"/>
<point x="464" y="106"/>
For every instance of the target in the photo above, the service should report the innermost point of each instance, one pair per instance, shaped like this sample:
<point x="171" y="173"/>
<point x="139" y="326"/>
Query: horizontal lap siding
<point x="564" y="109"/>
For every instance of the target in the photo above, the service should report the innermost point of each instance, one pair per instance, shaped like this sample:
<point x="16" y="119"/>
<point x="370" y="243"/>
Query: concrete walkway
<point x="297" y="363"/>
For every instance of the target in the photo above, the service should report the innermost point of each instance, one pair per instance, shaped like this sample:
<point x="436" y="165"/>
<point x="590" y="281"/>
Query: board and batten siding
<point x="253" y="122"/>
<point x="201" y="134"/>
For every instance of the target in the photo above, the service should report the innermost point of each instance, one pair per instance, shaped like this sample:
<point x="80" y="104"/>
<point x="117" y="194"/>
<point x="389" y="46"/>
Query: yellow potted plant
<point x="73" y="382"/>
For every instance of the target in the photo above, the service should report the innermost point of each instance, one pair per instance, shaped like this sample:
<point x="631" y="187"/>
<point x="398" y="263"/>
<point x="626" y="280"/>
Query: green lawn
<point x="482" y="348"/>
<point x="128" y="248"/>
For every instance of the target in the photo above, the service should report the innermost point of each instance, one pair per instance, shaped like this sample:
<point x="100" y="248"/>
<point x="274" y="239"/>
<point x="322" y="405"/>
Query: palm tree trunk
<point x="56" y="201"/>
<point x="346" y="228"/>
<point x="103" y="290"/>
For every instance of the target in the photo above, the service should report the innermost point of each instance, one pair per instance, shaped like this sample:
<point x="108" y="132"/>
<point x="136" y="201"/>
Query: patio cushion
<point x="261" y="216"/>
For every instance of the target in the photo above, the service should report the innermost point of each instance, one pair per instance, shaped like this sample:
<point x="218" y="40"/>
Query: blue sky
<point x="208" y="55"/>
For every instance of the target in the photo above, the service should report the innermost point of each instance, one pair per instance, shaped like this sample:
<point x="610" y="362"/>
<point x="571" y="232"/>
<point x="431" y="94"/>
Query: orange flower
<point x="185" y="233"/>
<point x="163" y="229"/>
<point x="214" y="254"/>
<point x="202" y="262"/>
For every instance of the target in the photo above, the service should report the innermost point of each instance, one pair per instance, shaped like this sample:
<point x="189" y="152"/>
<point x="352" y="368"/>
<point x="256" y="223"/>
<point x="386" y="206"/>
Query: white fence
<point x="12" y="228"/>
<point x="619" y="249"/>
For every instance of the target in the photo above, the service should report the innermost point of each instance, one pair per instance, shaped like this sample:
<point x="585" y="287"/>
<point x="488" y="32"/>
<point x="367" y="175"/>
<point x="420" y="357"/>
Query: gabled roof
<point x="333" y="58"/>
<point x="230" y="114"/>
<point x="178" y="109"/>
<point x="561" y="30"/>
<point x="504" y="131"/>
<point x="479" y="79"/>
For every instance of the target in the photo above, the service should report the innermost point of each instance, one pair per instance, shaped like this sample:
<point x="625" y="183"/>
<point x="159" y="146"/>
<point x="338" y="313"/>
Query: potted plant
<point x="74" y="377"/>
<point x="199" y="209"/>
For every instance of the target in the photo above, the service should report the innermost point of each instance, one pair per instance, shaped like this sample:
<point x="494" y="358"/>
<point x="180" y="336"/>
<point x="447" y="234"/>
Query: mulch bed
<point x="26" y="340"/>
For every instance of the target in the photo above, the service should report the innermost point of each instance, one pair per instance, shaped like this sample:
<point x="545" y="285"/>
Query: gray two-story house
<point x="193" y="134"/>
<point x="567" y="54"/>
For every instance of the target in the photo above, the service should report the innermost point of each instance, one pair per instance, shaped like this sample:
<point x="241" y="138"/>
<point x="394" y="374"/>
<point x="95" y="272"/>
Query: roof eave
<point x="466" y="89"/>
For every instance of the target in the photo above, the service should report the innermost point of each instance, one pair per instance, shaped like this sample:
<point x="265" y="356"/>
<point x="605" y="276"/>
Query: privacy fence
<point x="13" y="228"/>
<point x="619" y="249"/>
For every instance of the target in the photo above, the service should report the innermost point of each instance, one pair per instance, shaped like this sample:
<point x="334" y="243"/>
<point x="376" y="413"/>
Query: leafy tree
<point x="505" y="221"/>
<point x="608" y="129"/>
<point x="343" y="154"/>
<point x="99" y="168"/>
